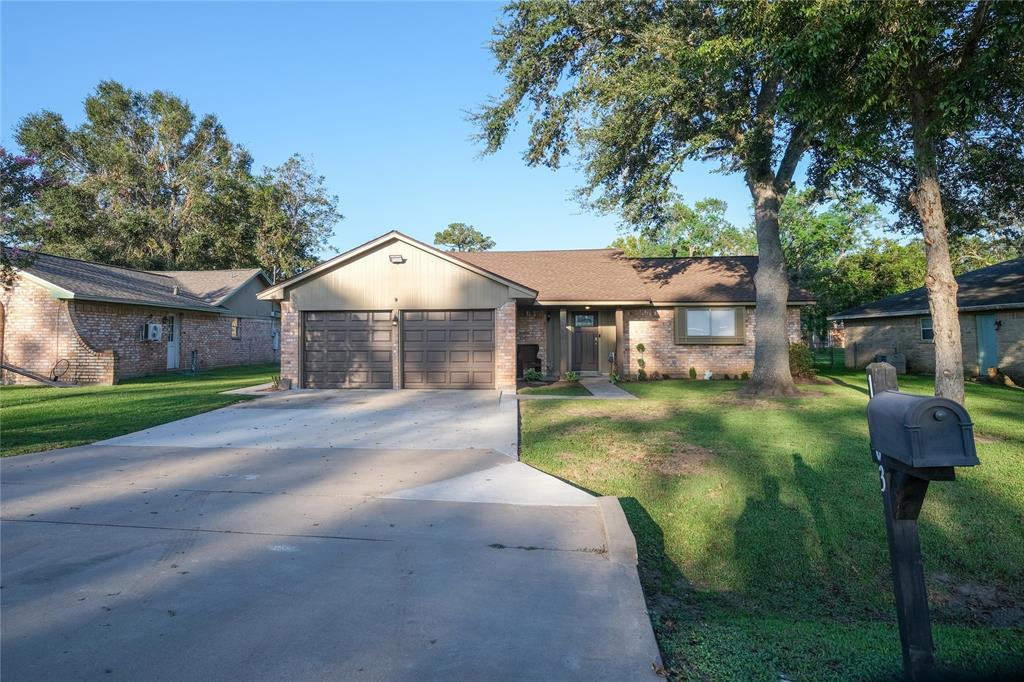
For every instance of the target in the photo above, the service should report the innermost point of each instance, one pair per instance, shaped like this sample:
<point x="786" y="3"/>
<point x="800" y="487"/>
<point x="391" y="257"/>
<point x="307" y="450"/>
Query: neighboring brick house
<point x="991" y="304"/>
<point x="110" y="323"/>
<point x="397" y="313"/>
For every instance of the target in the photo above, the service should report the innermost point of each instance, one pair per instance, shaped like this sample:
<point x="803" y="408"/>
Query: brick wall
<point x="532" y="328"/>
<point x="290" y="344"/>
<point x="102" y="341"/>
<point x="867" y="338"/>
<point x="505" y="347"/>
<point x="39" y="330"/>
<point x="654" y="327"/>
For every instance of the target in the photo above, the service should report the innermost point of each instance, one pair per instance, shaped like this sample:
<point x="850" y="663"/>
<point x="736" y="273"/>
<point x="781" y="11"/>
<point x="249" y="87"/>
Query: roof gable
<point x="279" y="290"/>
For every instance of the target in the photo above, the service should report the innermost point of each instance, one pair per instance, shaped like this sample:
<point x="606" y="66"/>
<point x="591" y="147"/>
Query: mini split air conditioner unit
<point x="152" y="331"/>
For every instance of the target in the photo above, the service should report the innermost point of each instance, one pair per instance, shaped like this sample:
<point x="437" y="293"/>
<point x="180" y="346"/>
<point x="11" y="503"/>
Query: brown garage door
<point x="448" y="349"/>
<point x="344" y="349"/>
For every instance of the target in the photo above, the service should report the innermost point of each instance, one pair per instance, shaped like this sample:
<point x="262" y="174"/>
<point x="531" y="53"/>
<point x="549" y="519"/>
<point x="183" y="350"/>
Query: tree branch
<point x="798" y="142"/>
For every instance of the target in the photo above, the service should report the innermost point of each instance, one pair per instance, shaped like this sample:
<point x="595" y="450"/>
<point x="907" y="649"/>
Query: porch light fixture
<point x="397" y="258"/>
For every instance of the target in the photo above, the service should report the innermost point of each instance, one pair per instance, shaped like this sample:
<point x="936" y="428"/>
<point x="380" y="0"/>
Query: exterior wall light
<point x="397" y="258"/>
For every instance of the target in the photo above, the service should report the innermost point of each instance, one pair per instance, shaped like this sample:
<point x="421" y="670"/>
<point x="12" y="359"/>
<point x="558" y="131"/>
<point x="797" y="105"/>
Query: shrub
<point x="533" y="374"/>
<point x="614" y="378"/>
<point x="801" y="361"/>
<point x="745" y="376"/>
<point x="640" y="348"/>
<point x="725" y="377"/>
<point x="641" y="375"/>
<point x="693" y="373"/>
<point x="655" y="375"/>
<point x="572" y="376"/>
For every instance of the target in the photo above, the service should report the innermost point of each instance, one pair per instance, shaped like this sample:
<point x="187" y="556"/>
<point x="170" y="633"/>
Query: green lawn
<point x="762" y="546"/>
<point x="42" y="418"/>
<point x="560" y="388"/>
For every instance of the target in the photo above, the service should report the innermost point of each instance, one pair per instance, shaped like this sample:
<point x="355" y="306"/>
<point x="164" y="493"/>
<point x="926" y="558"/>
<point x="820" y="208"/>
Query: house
<point x="396" y="313"/>
<point x="110" y="323"/>
<point x="991" y="303"/>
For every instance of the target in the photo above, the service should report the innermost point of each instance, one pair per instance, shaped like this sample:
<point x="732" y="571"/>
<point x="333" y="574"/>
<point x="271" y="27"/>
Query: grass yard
<point x="557" y="388"/>
<point x="42" y="418"/>
<point x="762" y="546"/>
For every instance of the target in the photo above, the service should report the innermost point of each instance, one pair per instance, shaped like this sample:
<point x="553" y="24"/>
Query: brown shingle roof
<point x="213" y="286"/>
<point x="579" y="275"/>
<point x="193" y="290"/>
<point x="606" y="275"/>
<point x="994" y="287"/>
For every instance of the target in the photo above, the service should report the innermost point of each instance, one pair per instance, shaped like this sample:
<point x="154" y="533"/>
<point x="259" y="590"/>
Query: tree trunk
<point x="771" y="341"/>
<point x="939" y="281"/>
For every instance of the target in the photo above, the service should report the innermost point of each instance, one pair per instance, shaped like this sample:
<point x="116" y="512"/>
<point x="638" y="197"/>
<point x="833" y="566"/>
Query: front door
<point x="988" y="351"/>
<point x="584" y="341"/>
<point x="173" y="341"/>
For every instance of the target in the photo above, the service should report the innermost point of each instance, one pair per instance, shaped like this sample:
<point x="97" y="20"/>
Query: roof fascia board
<point x="550" y="302"/>
<point x="276" y="292"/>
<point x="55" y="291"/>
<point x="725" y="303"/>
<point x="152" y="304"/>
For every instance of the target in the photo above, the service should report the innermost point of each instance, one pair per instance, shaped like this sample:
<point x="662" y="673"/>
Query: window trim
<point x="921" y="329"/>
<point x="236" y="328"/>
<point x="681" y="338"/>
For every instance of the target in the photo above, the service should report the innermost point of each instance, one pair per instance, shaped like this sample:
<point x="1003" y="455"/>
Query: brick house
<point x="110" y="323"/>
<point x="397" y="313"/>
<point x="991" y="305"/>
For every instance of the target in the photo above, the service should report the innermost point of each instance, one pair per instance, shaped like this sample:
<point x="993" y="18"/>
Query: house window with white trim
<point x="236" y="327"/>
<point x="927" y="333"/>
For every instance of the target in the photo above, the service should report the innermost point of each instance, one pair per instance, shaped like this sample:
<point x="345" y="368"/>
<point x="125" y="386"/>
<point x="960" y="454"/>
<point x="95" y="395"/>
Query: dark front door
<point x="347" y="349"/>
<point x="584" y="341"/>
<point x="448" y="349"/>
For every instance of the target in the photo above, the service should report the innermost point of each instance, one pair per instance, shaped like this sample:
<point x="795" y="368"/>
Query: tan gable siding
<point x="244" y="302"/>
<point x="423" y="282"/>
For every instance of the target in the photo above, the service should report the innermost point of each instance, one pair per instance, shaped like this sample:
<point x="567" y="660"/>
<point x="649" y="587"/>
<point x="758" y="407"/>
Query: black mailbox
<point x="921" y="431"/>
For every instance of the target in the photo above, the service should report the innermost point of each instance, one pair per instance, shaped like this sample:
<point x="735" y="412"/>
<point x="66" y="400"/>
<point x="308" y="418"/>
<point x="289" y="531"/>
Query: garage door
<point x="347" y="349"/>
<point x="448" y="349"/>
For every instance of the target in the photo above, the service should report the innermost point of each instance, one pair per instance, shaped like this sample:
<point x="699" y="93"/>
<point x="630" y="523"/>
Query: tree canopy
<point x="702" y="230"/>
<point x="463" y="237"/>
<point x="635" y="90"/>
<point x="146" y="183"/>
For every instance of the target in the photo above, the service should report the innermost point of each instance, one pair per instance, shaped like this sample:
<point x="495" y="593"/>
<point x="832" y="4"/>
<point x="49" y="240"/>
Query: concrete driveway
<point x="316" y="535"/>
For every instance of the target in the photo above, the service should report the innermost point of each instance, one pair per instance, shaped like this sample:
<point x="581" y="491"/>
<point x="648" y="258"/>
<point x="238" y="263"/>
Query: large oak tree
<point x="638" y="89"/>
<point x="930" y="118"/>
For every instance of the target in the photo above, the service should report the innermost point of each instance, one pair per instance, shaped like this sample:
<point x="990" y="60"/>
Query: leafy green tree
<point x="20" y="223"/>
<point x="144" y="182"/>
<point x="295" y="217"/>
<point x="637" y="89"/>
<point x="699" y="231"/>
<point x="463" y="237"/>
<point x="924" y="110"/>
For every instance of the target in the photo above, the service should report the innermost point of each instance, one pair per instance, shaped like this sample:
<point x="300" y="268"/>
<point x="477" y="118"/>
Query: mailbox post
<point x="914" y="440"/>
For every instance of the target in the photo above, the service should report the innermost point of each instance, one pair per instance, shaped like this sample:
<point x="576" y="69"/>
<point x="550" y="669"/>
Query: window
<point x="236" y="327"/>
<point x="927" y="334"/>
<point x="584" y="320"/>
<point x="709" y="325"/>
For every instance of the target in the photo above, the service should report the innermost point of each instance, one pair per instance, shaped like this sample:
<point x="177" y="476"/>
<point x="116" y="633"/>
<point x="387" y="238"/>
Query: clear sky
<point x="375" y="94"/>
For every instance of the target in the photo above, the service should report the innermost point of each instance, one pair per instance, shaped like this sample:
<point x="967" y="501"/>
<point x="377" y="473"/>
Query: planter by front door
<point x="584" y="341"/>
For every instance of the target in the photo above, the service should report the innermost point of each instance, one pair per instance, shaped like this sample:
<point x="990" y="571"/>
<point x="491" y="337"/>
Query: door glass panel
<point x="585" y="320"/>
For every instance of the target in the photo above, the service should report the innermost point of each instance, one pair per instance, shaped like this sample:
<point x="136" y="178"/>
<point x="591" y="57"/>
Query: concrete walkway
<point x="600" y="389"/>
<point x="316" y="535"/>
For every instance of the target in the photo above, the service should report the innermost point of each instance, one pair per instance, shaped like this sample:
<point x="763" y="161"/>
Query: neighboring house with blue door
<point x="991" y="302"/>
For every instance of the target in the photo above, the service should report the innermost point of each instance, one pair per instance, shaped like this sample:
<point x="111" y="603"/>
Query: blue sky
<point x="375" y="94"/>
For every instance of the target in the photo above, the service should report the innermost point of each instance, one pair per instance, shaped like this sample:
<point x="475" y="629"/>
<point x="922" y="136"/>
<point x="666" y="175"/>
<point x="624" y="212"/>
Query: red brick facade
<point x="290" y="344"/>
<point x="531" y="328"/>
<point x="505" y="347"/>
<point x="102" y="341"/>
<point x="654" y="327"/>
